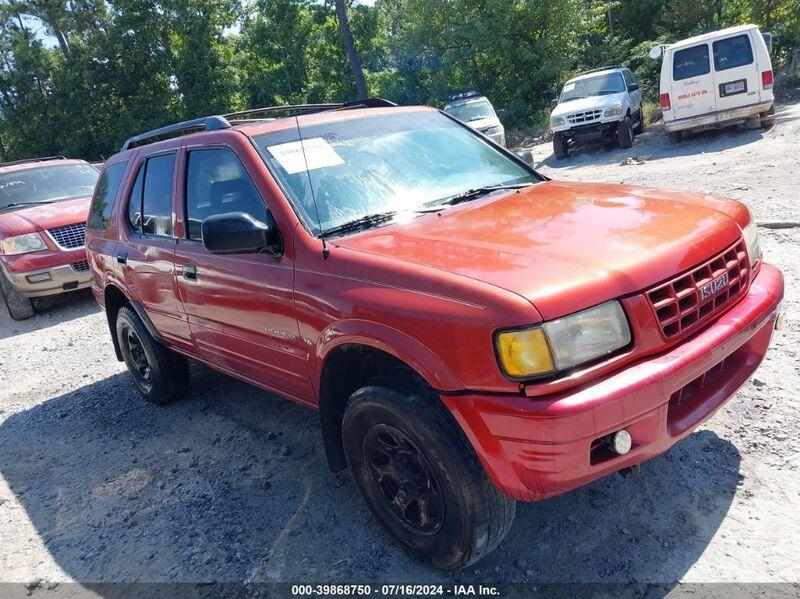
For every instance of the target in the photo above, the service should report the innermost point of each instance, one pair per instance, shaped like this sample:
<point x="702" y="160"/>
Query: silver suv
<point x="599" y="104"/>
<point x="477" y="112"/>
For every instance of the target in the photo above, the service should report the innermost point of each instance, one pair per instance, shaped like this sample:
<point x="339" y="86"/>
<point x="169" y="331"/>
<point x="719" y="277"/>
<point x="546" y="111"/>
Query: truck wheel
<point x="625" y="133"/>
<point x="768" y="118"/>
<point x="19" y="307"/>
<point x="675" y="137"/>
<point x="560" y="146"/>
<point x="421" y="478"/>
<point x="640" y="126"/>
<point x="160" y="375"/>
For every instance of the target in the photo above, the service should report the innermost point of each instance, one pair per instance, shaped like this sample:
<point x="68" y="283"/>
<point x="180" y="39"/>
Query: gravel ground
<point x="231" y="484"/>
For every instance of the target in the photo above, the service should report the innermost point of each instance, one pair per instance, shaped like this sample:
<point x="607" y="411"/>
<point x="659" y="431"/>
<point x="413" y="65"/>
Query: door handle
<point x="122" y="257"/>
<point x="189" y="272"/>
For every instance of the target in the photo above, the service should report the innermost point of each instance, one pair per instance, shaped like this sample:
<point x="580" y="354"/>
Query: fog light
<point x="39" y="277"/>
<point x="621" y="442"/>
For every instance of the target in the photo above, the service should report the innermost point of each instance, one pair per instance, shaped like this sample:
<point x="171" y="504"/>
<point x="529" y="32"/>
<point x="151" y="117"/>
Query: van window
<point x="732" y="52"/>
<point x="104" y="194"/>
<point x="216" y="183"/>
<point x="691" y="62"/>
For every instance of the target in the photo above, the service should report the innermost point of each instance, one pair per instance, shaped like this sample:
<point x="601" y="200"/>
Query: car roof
<point x="711" y="35"/>
<point x="33" y="163"/>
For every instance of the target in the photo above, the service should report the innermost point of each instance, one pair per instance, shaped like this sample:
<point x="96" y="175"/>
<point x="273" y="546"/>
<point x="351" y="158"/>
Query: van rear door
<point x="736" y="74"/>
<point x="692" y="81"/>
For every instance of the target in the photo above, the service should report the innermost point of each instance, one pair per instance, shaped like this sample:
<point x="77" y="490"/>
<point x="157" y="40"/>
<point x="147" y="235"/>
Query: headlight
<point x="750" y="234"/>
<point x="565" y="342"/>
<point x="613" y="110"/>
<point x="557" y="121"/>
<point x="23" y="244"/>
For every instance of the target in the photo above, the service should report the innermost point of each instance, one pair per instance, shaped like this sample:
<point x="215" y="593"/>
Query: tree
<point x="350" y="47"/>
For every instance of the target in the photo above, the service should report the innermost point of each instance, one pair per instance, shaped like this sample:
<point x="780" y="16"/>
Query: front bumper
<point x="533" y="448"/>
<point x="717" y="119"/>
<point x="62" y="278"/>
<point x="590" y="131"/>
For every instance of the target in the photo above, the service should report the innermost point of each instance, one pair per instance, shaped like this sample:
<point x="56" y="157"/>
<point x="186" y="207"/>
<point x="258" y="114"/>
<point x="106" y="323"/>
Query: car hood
<point x="565" y="246"/>
<point x="481" y="124"/>
<point x="44" y="216"/>
<point x="590" y="103"/>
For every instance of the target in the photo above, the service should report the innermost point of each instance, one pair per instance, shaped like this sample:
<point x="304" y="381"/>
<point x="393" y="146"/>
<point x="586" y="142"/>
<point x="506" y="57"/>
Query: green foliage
<point x="107" y="69"/>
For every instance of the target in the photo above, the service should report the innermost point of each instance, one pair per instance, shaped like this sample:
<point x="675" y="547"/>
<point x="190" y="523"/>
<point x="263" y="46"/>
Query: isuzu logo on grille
<point x="714" y="287"/>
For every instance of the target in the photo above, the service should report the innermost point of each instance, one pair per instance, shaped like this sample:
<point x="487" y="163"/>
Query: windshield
<point x="473" y="111"/>
<point x="601" y="85"/>
<point x="386" y="163"/>
<point x="41" y="184"/>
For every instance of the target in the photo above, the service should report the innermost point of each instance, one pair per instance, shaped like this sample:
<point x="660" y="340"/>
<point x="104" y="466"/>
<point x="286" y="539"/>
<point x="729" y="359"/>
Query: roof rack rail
<point x="207" y="123"/>
<point x="25" y="160"/>
<point x="598" y="69"/>
<point x="213" y="123"/>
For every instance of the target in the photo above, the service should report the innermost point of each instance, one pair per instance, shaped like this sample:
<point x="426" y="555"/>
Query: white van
<point x="716" y="79"/>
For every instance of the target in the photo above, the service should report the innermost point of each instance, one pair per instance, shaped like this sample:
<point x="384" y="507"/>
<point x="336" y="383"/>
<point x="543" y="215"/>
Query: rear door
<point x="692" y="81"/>
<point x="736" y="76"/>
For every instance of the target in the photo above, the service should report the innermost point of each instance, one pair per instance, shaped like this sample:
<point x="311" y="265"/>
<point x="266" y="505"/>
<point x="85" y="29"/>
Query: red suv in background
<point x="471" y="332"/>
<point x="43" y="208"/>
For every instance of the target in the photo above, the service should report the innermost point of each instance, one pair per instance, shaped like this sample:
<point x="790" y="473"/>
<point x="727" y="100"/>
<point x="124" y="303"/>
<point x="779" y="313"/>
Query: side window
<point x="104" y="194"/>
<point x="135" y="202"/>
<point x="216" y="183"/>
<point x="628" y="77"/>
<point x="732" y="52"/>
<point x="157" y="195"/>
<point x="691" y="62"/>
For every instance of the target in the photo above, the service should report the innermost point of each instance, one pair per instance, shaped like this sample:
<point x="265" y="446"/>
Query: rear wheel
<point x="420" y="476"/>
<point x="160" y="375"/>
<point x="675" y="137"/>
<point x="625" y="133"/>
<point x="19" y="307"/>
<point x="768" y="118"/>
<point x="560" y="146"/>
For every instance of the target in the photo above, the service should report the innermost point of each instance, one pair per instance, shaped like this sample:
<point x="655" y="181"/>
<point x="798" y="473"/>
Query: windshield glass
<point x="601" y="85"/>
<point x="384" y="163"/>
<point x="47" y="184"/>
<point x="473" y="111"/>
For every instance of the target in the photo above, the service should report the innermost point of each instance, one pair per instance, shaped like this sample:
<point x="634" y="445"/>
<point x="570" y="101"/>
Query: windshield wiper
<point x="21" y="204"/>
<point x="359" y="224"/>
<point x="474" y="194"/>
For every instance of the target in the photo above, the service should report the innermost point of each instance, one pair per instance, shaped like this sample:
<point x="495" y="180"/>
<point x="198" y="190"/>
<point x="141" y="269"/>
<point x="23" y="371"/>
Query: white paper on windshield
<point x="318" y="154"/>
<point x="568" y="87"/>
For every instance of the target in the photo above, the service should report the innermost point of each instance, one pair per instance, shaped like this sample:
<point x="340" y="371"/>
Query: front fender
<point x="387" y="339"/>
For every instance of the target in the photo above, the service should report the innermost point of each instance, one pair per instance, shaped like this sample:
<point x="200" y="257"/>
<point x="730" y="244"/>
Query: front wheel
<point x="19" y="307"/>
<point x="421" y="478"/>
<point x="625" y="133"/>
<point x="559" y="146"/>
<point x="160" y="375"/>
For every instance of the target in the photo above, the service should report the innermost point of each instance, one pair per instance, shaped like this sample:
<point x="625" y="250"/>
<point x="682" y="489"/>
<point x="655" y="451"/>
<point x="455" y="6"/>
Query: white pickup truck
<point x="599" y="104"/>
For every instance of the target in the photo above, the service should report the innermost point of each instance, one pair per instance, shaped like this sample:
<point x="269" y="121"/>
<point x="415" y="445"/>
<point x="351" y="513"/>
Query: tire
<point x="425" y="460"/>
<point x="160" y="375"/>
<point x="640" y="127"/>
<point x="19" y="307"/>
<point x="560" y="146"/>
<point x="768" y="118"/>
<point x="675" y="137"/>
<point x="625" y="133"/>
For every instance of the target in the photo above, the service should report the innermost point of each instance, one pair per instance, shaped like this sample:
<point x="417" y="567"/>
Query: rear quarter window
<point x="104" y="194"/>
<point x="691" y="62"/>
<point x="732" y="52"/>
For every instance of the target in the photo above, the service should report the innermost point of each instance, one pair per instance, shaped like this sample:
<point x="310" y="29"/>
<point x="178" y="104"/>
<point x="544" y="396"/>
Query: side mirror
<point x="240" y="233"/>
<point x="553" y="102"/>
<point x="633" y="87"/>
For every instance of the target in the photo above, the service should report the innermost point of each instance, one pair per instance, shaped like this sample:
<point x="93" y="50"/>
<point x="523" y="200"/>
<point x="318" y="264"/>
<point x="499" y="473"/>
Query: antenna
<point x="325" y="251"/>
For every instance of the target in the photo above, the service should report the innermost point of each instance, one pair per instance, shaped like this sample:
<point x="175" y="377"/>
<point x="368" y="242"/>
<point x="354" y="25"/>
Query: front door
<point x="693" y="91"/>
<point x="240" y="307"/>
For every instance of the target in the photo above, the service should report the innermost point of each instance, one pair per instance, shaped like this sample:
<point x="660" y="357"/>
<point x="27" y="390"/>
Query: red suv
<point x="43" y="207"/>
<point x="471" y="332"/>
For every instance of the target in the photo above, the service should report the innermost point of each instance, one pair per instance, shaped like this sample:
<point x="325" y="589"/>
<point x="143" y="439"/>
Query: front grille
<point x="80" y="266"/>
<point x="69" y="237"/>
<point x="579" y="118"/>
<point x="678" y="303"/>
